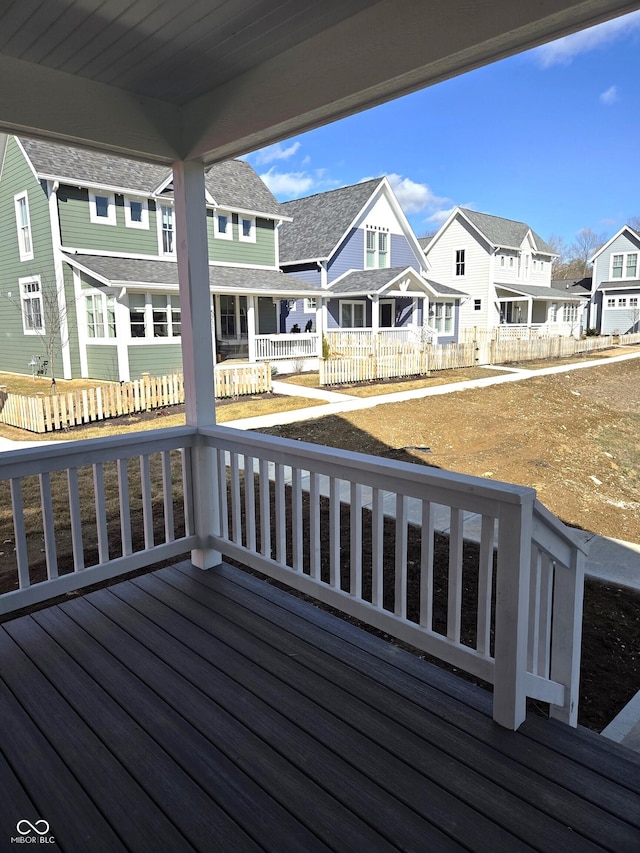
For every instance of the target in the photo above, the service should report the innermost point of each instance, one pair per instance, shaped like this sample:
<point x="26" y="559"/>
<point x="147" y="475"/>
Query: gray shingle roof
<point x="233" y="184"/>
<point x="506" y="233"/>
<point x="75" y="165"/>
<point x="627" y="284"/>
<point x="573" y="285"/>
<point x="134" y="271"/>
<point x="320" y="221"/>
<point x="540" y="291"/>
<point x="374" y="281"/>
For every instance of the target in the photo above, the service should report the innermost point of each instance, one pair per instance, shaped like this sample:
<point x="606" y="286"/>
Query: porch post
<point x="375" y="314"/>
<point x="319" y="326"/>
<point x="251" y="327"/>
<point x="197" y="347"/>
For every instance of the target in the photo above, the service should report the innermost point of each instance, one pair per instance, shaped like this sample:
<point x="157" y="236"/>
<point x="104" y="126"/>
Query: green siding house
<point x="88" y="272"/>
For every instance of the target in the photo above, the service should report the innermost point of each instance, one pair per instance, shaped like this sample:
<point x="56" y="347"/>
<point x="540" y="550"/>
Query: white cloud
<point x="418" y="198"/>
<point x="275" y="152"/>
<point x="440" y="216"/>
<point x="287" y="185"/>
<point x="610" y="96"/>
<point x="564" y="50"/>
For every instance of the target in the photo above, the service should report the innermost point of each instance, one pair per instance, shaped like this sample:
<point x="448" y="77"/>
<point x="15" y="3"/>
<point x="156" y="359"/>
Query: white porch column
<point x="251" y="327"/>
<point x="320" y="311"/>
<point x="197" y="346"/>
<point x="375" y="314"/>
<point x="529" y="310"/>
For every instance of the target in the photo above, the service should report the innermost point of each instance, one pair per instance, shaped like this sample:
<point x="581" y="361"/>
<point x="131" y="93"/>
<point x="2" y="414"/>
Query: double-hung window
<point x="443" y="317"/>
<point x="101" y="317"/>
<point x="377" y="254"/>
<point x="460" y="262"/>
<point x="23" y="223"/>
<point x="31" y="305"/>
<point x="167" y="229"/>
<point x="632" y="265"/>
<point x="624" y="265"/>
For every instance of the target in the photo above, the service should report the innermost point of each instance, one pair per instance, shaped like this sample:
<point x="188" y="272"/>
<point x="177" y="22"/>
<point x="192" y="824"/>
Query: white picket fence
<point x="394" y="362"/>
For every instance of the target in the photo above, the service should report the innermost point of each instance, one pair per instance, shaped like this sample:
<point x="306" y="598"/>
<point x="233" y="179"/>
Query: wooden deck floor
<point x="197" y="710"/>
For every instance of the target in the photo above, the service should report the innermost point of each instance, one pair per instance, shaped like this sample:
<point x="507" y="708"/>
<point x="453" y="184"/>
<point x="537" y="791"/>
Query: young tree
<point x="586" y="244"/>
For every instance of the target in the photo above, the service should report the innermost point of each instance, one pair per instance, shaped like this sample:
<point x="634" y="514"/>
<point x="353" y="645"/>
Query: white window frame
<point x="633" y="302"/>
<point x="377" y="252"/>
<point x="443" y="317"/>
<point x="110" y="218"/>
<point x="161" y="232"/>
<point x="131" y="223"/>
<point x="571" y="312"/>
<point x="622" y="302"/>
<point x="624" y="266"/>
<point x="611" y="302"/>
<point x="353" y="304"/>
<point x="217" y="233"/>
<point x="25" y="234"/>
<point x="310" y="305"/>
<point x="28" y="295"/>
<point x="251" y="237"/>
<point x="459" y="263"/>
<point x="172" y="317"/>
<point x="477" y="304"/>
<point x="104" y="314"/>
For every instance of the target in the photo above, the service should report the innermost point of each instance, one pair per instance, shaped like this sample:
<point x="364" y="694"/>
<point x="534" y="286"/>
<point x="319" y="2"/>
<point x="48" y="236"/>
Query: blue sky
<point x="550" y="137"/>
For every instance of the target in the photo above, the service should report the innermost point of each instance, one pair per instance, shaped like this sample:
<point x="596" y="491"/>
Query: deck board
<point x="188" y="710"/>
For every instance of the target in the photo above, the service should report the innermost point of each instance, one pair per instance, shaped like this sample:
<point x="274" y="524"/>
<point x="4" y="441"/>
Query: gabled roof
<point x="321" y="221"/>
<point x="498" y="232"/>
<point x="632" y="234"/>
<point x="232" y="184"/>
<point x="505" y="233"/>
<point x="364" y="282"/>
<point x="581" y="286"/>
<point x="620" y="284"/>
<point x="135" y="272"/>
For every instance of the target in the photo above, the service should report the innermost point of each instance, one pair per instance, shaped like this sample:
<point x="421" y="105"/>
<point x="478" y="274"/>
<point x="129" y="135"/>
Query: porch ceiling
<point x="184" y="79"/>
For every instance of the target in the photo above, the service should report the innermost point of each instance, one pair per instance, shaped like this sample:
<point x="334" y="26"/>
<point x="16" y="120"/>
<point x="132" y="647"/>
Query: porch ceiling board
<point x="191" y="80"/>
<point x="183" y="708"/>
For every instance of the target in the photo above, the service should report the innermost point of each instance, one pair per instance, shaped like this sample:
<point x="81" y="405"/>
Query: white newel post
<point x="197" y="346"/>
<point x="515" y="527"/>
<point x="568" y="596"/>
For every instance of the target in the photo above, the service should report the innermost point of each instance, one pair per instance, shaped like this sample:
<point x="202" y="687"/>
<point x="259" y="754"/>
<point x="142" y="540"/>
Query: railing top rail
<point x="465" y="491"/>
<point x="551" y="522"/>
<point x="54" y="456"/>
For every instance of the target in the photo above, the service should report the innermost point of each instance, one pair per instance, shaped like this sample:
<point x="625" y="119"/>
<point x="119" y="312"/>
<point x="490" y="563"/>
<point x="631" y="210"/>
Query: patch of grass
<point x="441" y="377"/>
<point x="30" y="386"/>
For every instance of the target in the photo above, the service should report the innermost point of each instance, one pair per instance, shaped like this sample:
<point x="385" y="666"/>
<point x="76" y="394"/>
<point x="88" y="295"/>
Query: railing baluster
<point x="265" y="510"/>
<point x="147" y="506"/>
<point x="125" y="514"/>
<point x="187" y="490"/>
<point x="49" y="526"/>
<point x="334" y="533"/>
<point x="543" y="663"/>
<point x="76" y="520"/>
<point x="426" y="566"/>
<point x="296" y="519"/>
<point x="314" y="525"/>
<point x="356" y="540"/>
<point x="249" y="503"/>
<point x="281" y="516"/>
<point x="400" y="603"/>
<point x="236" y="514"/>
<point x="22" y="556"/>
<point x="485" y="584"/>
<point x="377" y="546"/>
<point x="222" y="493"/>
<point x="101" y="513"/>
<point x="454" y="594"/>
<point x="167" y="497"/>
<point x="533" y="649"/>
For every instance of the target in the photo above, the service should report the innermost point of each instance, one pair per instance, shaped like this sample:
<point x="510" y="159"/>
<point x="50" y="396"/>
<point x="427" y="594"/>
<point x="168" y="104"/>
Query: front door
<point x="386" y="315"/>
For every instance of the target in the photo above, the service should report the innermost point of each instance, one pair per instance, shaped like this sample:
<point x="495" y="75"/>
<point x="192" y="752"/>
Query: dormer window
<point x="102" y="208"/>
<point x="223" y="226"/>
<point x="247" y="229"/>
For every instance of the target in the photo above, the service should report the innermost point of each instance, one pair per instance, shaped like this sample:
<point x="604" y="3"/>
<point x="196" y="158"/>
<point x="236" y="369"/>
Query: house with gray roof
<point x="615" y="298"/>
<point x="87" y="253"/>
<point x="355" y="245"/>
<point x="504" y="267"/>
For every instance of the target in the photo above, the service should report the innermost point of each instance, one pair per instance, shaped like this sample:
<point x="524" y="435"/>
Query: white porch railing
<point x="288" y="521"/>
<point x="354" y="531"/>
<point x="367" y="342"/>
<point x="273" y="347"/>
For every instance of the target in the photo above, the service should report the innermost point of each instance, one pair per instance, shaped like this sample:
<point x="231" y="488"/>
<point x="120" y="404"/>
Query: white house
<point x="505" y="268"/>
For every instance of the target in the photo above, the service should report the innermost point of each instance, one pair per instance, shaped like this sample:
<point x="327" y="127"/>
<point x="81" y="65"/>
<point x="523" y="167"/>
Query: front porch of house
<point x="528" y="311"/>
<point x="190" y="710"/>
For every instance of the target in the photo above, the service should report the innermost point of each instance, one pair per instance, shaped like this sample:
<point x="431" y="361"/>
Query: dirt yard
<point x="574" y="437"/>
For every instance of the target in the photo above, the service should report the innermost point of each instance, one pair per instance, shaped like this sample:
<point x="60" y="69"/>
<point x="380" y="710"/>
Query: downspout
<point x="58" y="266"/>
